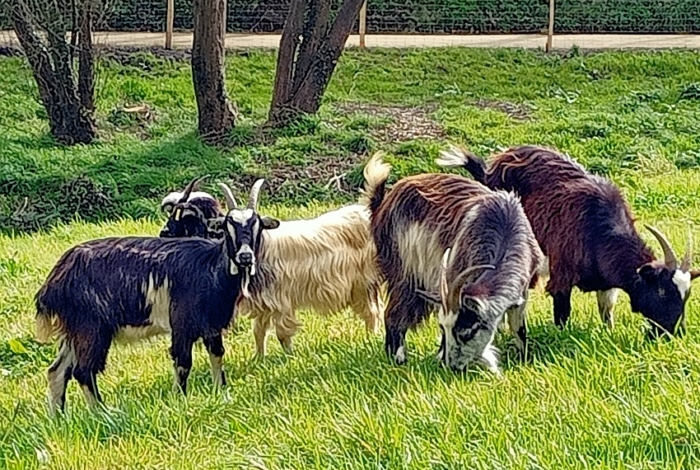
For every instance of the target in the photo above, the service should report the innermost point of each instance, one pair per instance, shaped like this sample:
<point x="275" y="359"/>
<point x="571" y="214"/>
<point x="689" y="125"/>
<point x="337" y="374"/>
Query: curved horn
<point x="230" y="200"/>
<point x="254" y="192"/>
<point x="461" y="276"/>
<point x="444" y="288"/>
<point x="670" y="258"/>
<point x="451" y="292"/>
<point x="22" y="207"/>
<point x="193" y="185"/>
<point x="688" y="257"/>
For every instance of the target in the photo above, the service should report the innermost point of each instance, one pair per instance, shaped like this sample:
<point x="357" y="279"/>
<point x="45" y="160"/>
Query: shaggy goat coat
<point x="323" y="264"/>
<point x="129" y="289"/>
<point x="419" y="220"/>
<point x="586" y="229"/>
<point x="136" y="287"/>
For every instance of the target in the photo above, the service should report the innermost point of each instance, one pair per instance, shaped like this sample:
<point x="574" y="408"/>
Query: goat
<point x="132" y="288"/>
<point x="190" y="211"/>
<point x="323" y="264"/>
<point x="586" y="229"/>
<point x="447" y="233"/>
<point x="194" y="213"/>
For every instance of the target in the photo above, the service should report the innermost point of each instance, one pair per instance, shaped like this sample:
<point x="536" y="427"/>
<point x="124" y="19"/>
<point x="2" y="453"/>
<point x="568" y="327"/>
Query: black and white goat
<point x="450" y="241"/>
<point x="190" y="211"/>
<point x="324" y="264"/>
<point x="132" y="288"/>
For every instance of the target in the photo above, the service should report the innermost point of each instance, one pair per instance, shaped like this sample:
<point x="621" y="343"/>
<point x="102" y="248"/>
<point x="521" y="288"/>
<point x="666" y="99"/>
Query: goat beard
<point x="247" y="273"/>
<point x="246" y="280"/>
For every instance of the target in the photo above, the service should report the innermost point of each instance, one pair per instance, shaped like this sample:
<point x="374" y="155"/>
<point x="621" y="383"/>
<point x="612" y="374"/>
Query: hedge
<point x="437" y="16"/>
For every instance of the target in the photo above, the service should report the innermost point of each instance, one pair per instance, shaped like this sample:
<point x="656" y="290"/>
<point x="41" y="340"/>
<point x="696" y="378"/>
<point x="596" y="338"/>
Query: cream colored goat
<point x="324" y="264"/>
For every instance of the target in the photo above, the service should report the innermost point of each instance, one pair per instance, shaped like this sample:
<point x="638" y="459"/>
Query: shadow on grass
<point x="43" y="142"/>
<point x="363" y="365"/>
<point x="300" y="164"/>
<point x="370" y="371"/>
<point x="108" y="185"/>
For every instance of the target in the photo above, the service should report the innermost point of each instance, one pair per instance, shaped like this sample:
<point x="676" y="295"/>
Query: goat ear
<point x="215" y="223"/>
<point x="648" y="273"/>
<point x="432" y="297"/>
<point x="268" y="223"/>
<point x="694" y="274"/>
<point x="473" y="303"/>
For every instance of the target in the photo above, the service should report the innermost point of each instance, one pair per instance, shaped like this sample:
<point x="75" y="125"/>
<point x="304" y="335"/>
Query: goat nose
<point x="245" y="258"/>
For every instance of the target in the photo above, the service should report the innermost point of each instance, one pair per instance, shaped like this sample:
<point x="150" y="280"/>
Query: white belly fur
<point x="158" y="298"/>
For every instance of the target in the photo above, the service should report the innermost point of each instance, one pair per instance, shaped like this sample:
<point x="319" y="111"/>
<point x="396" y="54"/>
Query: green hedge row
<point x="437" y="16"/>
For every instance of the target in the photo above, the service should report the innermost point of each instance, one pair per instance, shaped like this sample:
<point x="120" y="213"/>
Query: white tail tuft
<point x="452" y="158"/>
<point x="376" y="172"/>
<point x="46" y="327"/>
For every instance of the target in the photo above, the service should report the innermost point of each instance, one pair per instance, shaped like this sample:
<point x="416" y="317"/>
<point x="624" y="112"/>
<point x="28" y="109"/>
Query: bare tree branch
<point x="289" y="42"/>
<point x="51" y="64"/>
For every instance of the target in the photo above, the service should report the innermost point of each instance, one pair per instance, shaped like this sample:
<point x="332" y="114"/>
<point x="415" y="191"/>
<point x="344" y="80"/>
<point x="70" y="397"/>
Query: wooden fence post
<point x="225" y="21"/>
<point x="550" y="29"/>
<point x="363" y="24"/>
<point x="169" y="20"/>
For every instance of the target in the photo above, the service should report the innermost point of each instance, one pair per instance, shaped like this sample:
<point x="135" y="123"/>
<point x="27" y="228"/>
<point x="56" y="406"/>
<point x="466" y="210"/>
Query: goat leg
<point x="517" y="321"/>
<point x="606" y="304"/>
<point x="181" y="352"/>
<point x="59" y="374"/>
<point x="215" y="348"/>
<point x="562" y="307"/>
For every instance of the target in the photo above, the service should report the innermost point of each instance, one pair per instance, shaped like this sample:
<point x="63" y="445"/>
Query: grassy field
<point x="587" y="397"/>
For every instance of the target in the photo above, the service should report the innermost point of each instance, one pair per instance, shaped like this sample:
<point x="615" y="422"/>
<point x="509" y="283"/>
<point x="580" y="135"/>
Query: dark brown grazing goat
<point x="586" y="229"/>
<point x="449" y="241"/>
<point x="132" y="288"/>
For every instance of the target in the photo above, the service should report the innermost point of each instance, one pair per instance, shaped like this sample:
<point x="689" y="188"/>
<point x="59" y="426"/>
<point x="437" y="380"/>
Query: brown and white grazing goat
<point x="586" y="229"/>
<point x="448" y="234"/>
<point x="324" y="264"/>
<point x="132" y="288"/>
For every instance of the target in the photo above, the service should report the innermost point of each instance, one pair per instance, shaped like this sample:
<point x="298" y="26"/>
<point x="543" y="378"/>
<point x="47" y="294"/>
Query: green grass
<point x="588" y="398"/>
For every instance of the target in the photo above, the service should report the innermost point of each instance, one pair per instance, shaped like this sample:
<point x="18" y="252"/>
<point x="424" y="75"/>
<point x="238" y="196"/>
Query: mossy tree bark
<point x="311" y="44"/>
<point x="217" y="115"/>
<point x="68" y="104"/>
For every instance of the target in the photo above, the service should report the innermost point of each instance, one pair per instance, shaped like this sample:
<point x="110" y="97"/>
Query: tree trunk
<point x="86" y="65"/>
<point x="217" y="115"/>
<point x="305" y="67"/>
<point x="51" y="66"/>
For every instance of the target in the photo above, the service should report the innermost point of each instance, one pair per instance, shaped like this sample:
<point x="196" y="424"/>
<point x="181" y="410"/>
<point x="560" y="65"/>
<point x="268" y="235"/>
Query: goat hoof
<point x="400" y="356"/>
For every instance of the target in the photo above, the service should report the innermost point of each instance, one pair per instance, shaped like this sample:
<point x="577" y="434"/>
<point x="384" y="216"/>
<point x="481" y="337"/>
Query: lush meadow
<point x="587" y="397"/>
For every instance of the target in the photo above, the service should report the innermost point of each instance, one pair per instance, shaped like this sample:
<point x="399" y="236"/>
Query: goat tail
<point x="47" y="325"/>
<point x="457" y="157"/>
<point x="376" y="173"/>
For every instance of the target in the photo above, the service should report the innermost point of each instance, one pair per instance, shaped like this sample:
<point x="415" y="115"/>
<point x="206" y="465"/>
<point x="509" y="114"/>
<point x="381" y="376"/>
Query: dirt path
<point x="530" y="41"/>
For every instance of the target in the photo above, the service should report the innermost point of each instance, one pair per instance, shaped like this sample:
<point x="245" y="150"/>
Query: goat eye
<point x="467" y="334"/>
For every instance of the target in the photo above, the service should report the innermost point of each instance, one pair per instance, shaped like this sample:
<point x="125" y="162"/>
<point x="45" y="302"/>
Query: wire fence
<point x="439" y="16"/>
<point x="436" y="17"/>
